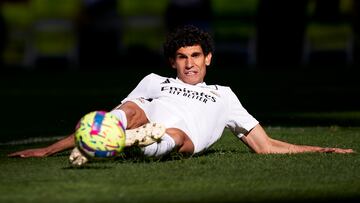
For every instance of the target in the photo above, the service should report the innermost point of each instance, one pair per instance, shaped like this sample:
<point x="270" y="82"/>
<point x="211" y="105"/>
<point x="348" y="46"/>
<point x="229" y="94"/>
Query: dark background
<point x="285" y="59"/>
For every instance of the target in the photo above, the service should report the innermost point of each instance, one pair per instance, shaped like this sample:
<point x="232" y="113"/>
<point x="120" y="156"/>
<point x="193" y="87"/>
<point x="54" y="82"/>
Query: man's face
<point x="190" y="64"/>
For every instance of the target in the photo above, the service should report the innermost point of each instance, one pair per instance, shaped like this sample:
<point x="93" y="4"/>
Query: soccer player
<point x="193" y="113"/>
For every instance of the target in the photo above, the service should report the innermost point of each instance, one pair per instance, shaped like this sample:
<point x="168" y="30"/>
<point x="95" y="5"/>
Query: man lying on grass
<point x="194" y="113"/>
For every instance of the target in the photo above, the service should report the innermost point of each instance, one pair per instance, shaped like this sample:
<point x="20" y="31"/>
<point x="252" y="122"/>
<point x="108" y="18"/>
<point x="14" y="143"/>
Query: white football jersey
<point x="201" y="111"/>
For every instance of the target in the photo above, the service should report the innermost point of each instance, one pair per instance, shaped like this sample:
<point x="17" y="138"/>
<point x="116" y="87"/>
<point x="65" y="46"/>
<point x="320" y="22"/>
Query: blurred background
<point x="105" y="34"/>
<point x="291" y="62"/>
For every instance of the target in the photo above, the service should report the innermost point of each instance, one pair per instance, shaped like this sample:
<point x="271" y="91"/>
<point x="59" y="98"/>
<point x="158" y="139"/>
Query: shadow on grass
<point x="134" y="155"/>
<point x="88" y="166"/>
<point x="211" y="152"/>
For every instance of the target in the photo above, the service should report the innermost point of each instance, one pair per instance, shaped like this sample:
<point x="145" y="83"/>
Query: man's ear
<point x="172" y="62"/>
<point x="208" y="59"/>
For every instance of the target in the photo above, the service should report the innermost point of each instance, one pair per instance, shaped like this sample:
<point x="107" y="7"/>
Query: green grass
<point x="228" y="172"/>
<point x="52" y="103"/>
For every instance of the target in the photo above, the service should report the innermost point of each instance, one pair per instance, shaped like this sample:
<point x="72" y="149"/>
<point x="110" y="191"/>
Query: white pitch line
<point x="31" y="140"/>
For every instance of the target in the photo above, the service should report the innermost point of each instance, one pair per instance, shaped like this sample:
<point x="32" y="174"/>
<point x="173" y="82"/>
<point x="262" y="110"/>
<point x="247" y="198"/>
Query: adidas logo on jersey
<point x="166" y="81"/>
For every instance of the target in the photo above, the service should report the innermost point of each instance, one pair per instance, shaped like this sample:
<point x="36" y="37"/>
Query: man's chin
<point x="191" y="80"/>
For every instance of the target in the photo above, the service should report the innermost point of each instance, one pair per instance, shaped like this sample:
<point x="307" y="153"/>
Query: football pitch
<point x="228" y="172"/>
<point x="312" y="108"/>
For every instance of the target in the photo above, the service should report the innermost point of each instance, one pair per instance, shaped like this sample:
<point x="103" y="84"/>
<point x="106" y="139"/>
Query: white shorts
<point x="158" y="113"/>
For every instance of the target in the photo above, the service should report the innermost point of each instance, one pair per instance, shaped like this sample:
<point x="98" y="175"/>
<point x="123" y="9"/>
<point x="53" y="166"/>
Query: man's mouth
<point x="190" y="73"/>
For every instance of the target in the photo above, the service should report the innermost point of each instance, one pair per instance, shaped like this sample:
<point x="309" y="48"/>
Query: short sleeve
<point x="239" y="121"/>
<point x="142" y="89"/>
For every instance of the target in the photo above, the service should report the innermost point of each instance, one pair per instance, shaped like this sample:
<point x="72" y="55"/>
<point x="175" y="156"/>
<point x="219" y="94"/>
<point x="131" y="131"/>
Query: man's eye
<point x="195" y="55"/>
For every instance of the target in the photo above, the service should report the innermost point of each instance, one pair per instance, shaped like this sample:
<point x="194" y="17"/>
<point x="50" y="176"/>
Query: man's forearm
<point x="258" y="140"/>
<point x="287" y="148"/>
<point x="284" y="147"/>
<point x="61" y="145"/>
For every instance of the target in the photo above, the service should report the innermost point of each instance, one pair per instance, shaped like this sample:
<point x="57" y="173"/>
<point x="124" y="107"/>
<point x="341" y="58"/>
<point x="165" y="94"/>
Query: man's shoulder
<point x="155" y="77"/>
<point x="219" y="87"/>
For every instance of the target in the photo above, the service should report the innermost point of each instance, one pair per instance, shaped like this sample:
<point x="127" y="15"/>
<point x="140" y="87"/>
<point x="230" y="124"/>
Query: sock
<point x="120" y="114"/>
<point x="158" y="149"/>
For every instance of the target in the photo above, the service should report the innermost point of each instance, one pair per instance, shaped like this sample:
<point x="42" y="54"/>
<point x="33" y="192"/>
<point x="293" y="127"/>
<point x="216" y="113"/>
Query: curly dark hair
<point x="187" y="35"/>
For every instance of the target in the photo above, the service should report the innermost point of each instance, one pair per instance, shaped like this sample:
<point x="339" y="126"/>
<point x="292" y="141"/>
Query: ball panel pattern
<point x="100" y="134"/>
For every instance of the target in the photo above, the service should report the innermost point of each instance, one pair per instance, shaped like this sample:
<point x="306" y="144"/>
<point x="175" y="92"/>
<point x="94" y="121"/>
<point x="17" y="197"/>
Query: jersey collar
<point x="201" y="84"/>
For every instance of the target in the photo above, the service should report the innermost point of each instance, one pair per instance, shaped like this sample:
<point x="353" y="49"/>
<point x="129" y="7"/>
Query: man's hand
<point x="39" y="152"/>
<point x="336" y="150"/>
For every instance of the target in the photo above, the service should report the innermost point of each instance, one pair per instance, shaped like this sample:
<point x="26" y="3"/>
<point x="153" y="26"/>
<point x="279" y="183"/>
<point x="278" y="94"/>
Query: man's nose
<point x="189" y="63"/>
